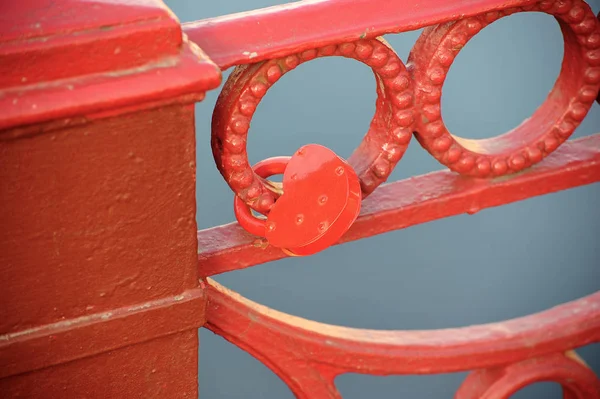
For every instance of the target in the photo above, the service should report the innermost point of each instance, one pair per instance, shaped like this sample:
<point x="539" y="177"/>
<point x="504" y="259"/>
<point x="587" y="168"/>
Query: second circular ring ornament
<point x="552" y="123"/>
<point x="382" y="147"/>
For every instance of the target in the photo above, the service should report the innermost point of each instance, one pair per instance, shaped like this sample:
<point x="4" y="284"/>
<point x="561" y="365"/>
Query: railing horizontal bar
<point x="417" y="200"/>
<point x="271" y="32"/>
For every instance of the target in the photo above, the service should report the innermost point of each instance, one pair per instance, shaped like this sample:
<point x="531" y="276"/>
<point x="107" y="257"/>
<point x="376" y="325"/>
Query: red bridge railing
<point x="533" y="159"/>
<point x="116" y="94"/>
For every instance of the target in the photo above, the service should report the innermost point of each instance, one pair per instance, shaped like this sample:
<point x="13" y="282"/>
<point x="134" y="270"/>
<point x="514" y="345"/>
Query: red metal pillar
<point x="100" y="296"/>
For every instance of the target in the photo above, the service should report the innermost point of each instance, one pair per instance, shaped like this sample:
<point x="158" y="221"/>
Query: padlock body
<point x="321" y="201"/>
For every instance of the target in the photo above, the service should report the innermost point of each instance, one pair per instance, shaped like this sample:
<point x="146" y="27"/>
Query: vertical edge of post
<point x="100" y="294"/>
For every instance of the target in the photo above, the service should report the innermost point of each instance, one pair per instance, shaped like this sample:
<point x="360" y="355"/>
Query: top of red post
<point x="74" y="57"/>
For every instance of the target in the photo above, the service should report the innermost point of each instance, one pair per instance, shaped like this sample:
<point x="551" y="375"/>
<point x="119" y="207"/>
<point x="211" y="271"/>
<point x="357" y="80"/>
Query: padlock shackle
<point x="265" y="168"/>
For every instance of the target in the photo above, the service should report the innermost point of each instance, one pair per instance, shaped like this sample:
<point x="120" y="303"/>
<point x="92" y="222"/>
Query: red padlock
<point x="320" y="200"/>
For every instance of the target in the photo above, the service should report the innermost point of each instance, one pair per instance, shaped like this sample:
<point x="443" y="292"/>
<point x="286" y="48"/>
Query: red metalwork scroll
<point x="534" y="159"/>
<point x="308" y="355"/>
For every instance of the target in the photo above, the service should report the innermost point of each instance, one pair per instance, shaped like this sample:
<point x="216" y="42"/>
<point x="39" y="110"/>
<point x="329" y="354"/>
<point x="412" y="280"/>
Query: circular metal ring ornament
<point x="380" y="150"/>
<point x="552" y="123"/>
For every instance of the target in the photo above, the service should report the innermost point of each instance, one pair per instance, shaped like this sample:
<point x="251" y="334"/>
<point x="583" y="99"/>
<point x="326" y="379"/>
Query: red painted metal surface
<point x="263" y="169"/>
<point x="417" y="200"/>
<point x="109" y="261"/>
<point x="74" y="59"/>
<point x="508" y="356"/>
<point x="100" y="294"/>
<point x="273" y="32"/>
<point x="319" y="202"/>
<point x="410" y="101"/>
<point x="97" y="147"/>
<point x="382" y="147"/>
<point x="567" y="369"/>
<point x="533" y="159"/>
<point x="308" y="355"/>
<point x="552" y="123"/>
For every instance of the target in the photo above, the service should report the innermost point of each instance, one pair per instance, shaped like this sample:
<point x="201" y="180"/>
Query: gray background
<point x="498" y="264"/>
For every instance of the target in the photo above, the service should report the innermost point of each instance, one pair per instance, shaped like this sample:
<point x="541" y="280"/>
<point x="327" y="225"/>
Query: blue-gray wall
<point x="498" y="264"/>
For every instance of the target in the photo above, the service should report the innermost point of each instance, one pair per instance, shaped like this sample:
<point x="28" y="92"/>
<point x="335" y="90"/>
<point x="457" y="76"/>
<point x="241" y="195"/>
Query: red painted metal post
<point x="100" y="294"/>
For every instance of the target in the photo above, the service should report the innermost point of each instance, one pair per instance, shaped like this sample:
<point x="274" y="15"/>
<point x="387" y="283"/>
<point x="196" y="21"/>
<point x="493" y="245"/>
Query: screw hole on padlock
<point x="319" y="201"/>
<point x="323" y="199"/>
